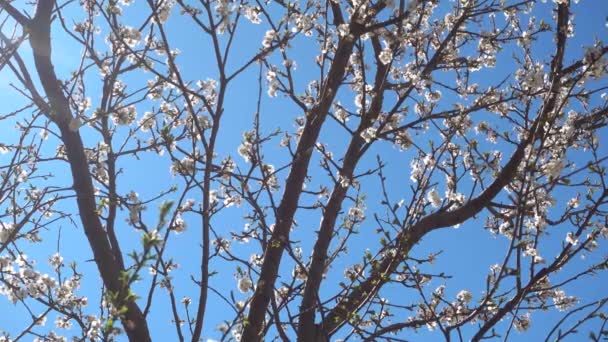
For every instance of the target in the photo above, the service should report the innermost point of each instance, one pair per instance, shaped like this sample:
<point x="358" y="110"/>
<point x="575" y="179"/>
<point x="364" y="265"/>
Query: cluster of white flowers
<point x="533" y="252"/>
<point x="26" y="282"/>
<point x="135" y="207"/>
<point x="113" y="8"/>
<point x="386" y="56"/>
<point x="187" y="206"/>
<point x="424" y="312"/>
<point x="460" y="124"/>
<point x="186" y="301"/>
<point x="155" y="89"/>
<point x="256" y="260"/>
<point x="522" y="323"/>
<point x="464" y="296"/>
<point x="281" y="294"/>
<point x="343" y="30"/>
<point x="128" y="35"/>
<point x="252" y="13"/>
<point x="535" y="223"/>
<point x="6" y="230"/>
<point x="487" y="48"/>
<point x="574" y="202"/>
<point x="50" y="337"/>
<point x="63" y="322"/>
<point x="171" y="111"/>
<point x="237" y="332"/>
<point x="484" y="128"/>
<point x="340" y="113"/>
<point x="303" y="23"/>
<point x="273" y="83"/>
<point x="417" y="170"/>
<point x="4" y="149"/>
<point x="86" y="26"/>
<point x="433" y="197"/>
<point x="270" y="178"/>
<point x="362" y="100"/>
<point x="56" y="261"/>
<point x="456" y="199"/>
<point x="244" y="284"/>
<point x="19" y="173"/>
<point x="354" y="272"/>
<point x="83" y="103"/>
<point x="595" y="62"/>
<point x="432" y="96"/>
<point x="65" y="293"/>
<point x="533" y="78"/>
<point x="125" y="115"/>
<point x="419" y="166"/>
<point x="423" y="109"/>
<point x="227" y="166"/>
<point x="164" y="11"/>
<point x="221" y="244"/>
<point x="95" y="326"/>
<point x="563" y="302"/>
<point x="208" y="88"/>
<point x="368" y="134"/>
<point x="100" y="172"/>
<point x="231" y="198"/>
<point x="299" y="273"/>
<point x="178" y="225"/>
<point x="183" y="167"/>
<point x="356" y="214"/>
<point x="571" y="239"/>
<point x="403" y="139"/>
<point x="213" y="199"/>
<point x="269" y="38"/>
<point x="553" y="167"/>
<point x="147" y="122"/>
<point x="223" y="9"/>
<point x="506" y="229"/>
<point x="246" y="149"/>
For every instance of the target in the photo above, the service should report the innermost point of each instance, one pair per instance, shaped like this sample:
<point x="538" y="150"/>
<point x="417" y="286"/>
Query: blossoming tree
<point x="311" y="171"/>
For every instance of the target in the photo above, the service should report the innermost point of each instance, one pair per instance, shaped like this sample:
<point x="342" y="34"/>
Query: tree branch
<point x="40" y="41"/>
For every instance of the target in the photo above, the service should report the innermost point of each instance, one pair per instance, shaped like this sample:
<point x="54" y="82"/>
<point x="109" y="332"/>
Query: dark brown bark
<point x="109" y="267"/>
<point x="409" y="237"/>
<point x="306" y="328"/>
<point x="293" y="189"/>
<point x="550" y="104"/>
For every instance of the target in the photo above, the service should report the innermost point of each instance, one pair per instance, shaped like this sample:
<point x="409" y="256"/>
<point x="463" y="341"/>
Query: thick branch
<point x="406" y="239"/>
<point x="15" y="14"/>
<point x="293" y="189"/>
<point x="306" y="327"/>
<point x="40" y="40"/>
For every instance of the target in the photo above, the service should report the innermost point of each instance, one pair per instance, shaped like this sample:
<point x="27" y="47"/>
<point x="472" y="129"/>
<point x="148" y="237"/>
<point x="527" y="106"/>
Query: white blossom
<point x="245" y="284"/>
<point x="386" y="56"/>
<point x="178" y="225"/>
<point x="553" y="168"/>
<point x="6" y="230"/>
<point x="571" y="239"/>
<point x="124" y="115"/>
<point x="433" y="197"/>
<point x="268" y="38"/>
<point x="464" y="296"/>
<point x="522" y="323"/>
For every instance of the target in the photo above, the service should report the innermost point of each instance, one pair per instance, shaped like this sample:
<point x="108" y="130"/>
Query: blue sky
<point x="468" y="252"/>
